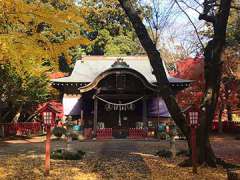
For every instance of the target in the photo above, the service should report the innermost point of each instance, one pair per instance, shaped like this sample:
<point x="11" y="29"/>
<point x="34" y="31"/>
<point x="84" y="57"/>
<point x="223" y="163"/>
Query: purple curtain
<point x="157" y="108"/>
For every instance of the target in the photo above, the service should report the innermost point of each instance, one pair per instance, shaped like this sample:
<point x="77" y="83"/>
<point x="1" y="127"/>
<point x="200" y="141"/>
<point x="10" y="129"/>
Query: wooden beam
<point x="144" y="113"/>
<point x="95" y="117"/>
<point x="81" y="111"/>
<point x="120" y="96"/>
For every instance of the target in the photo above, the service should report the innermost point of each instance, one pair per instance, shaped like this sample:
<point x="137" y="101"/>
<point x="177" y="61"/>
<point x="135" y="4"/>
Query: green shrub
<point x="183" y="153"/>
<point x="164" y="153"/>
<point x="62" y="154"/>
<point x="58" y="131"/>
<point x="74" y="135"/>
<point x="162" y="135"/>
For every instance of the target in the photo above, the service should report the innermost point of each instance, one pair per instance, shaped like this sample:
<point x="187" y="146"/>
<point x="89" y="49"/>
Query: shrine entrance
<point x="120" y="115"/>
<point x="119" y="100"/>
<point x="110" y="97"/>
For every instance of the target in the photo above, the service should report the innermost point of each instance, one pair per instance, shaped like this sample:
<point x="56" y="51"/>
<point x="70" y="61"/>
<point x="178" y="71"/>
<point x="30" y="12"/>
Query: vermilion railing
<point x="21" y="128"/>
<point x="229" y="127"/>
<point x="88" y="133"/>
<point x="135" y="133"/>
<point x="105" y="133"/>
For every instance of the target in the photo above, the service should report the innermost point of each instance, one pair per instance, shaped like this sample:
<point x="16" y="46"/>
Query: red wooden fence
<point x="229" y="127"/>
<point x="105" y="133"/>
<point x="21" y="128"/>
<point x="88" y="133"/>
<point x="135" y="133"/>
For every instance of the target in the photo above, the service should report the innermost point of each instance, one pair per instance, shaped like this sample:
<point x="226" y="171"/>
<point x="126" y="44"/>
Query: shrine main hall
<point x="117" y="93"/>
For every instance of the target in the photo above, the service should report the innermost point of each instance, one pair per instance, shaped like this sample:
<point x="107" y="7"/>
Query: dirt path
<point x="225" y="147"/>
<point x="110" y="159"/>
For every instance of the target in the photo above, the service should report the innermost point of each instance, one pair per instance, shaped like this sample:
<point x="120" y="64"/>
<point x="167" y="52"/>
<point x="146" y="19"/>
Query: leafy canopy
<point x="111" y="31"/>
<point x="33" y="34"/>
<point x="41" y="29"/>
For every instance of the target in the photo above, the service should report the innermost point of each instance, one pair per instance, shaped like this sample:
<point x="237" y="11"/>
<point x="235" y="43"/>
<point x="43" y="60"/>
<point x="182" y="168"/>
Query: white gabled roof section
<point x="87" y="69"/>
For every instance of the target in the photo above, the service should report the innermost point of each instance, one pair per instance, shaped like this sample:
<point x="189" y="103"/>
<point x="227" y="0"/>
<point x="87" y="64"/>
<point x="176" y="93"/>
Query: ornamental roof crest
<point x="119" y="63"/>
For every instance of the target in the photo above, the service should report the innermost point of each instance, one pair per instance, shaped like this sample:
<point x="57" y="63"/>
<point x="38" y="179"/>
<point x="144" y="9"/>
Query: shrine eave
<point x="175" y="83"/>
<point x="69" y="84"/>
<point x="87" y="72"/>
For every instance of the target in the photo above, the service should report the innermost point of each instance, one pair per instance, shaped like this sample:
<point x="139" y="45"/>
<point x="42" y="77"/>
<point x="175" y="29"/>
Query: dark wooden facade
<point x="115" y="87"/>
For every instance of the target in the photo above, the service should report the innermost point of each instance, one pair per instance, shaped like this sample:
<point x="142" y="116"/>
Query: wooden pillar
<point x="2" y="132"/>
<point x="144" y="113"/>
<point x="81" y="112"/>
<point x="82" y="120"/>
<point x="194" y="150"/>
<point x="48" y="150"/>
<point x="95" y="117"/>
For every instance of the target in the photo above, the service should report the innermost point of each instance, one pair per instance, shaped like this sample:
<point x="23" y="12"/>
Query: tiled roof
<point x="87" y="69"/>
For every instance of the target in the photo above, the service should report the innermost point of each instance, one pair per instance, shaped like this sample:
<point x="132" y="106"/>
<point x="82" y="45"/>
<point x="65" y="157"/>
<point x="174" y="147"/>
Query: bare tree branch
<point x="196" y="1"/>
<point x="190" y="7"/>
<point x="159" y="19"/>
<point x="157" y="65"/>
<point x="195" y="28"/>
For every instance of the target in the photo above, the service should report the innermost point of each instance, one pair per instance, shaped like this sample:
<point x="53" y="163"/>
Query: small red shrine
<point x="48" y="112"/>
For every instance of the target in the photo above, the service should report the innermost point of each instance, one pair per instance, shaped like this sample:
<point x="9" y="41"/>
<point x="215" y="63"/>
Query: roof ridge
<point x="125" y="58"/>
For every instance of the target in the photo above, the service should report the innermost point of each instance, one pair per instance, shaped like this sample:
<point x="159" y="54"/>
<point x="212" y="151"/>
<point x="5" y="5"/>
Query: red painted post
<point x="48" y="150"/>
<point x="193" y="120"/>
<point x="194" y="152"/>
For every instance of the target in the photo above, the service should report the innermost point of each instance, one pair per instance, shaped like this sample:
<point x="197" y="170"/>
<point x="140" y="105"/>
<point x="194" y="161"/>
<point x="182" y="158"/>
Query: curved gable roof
<point x="116" y="70"/>
<point x="88" y="69"/>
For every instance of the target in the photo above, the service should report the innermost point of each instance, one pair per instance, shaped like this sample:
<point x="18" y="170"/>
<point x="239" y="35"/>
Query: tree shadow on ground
<point x="120" y="160"/>
<point x="114" y="161"/>
<point x="104" y="160"/>
<point x="23" y="148"/>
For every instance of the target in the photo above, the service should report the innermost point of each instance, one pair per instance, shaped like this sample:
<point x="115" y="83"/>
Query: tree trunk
<point x="17" y="114"/>
<point x="2" y="131"/>
<point x="1" y="118"/>
<point x="9" y="115"/>
<point x="220" y="127"/>
<point x="212" y="78"/>
<point x="173" y="146"/>
<point x="13" y="113"/>
<point x="229" y="112"/>
<point x="158" y="67"/>
<point x="213" y="71"/>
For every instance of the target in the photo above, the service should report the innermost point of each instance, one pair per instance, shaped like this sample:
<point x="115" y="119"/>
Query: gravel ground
<point x="109" y="159"/>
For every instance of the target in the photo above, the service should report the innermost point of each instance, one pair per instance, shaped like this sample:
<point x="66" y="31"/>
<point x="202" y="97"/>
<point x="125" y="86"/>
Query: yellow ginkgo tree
<point x="31" y="33"/>
<point x="42" y="30"/>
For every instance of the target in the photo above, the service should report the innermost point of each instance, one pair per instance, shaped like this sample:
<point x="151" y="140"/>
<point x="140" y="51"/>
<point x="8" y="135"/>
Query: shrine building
<point x="117" y="93"/>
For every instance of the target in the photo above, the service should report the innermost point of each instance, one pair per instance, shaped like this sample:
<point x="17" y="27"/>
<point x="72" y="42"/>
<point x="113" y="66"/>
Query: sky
<point x="180" y="30"/>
